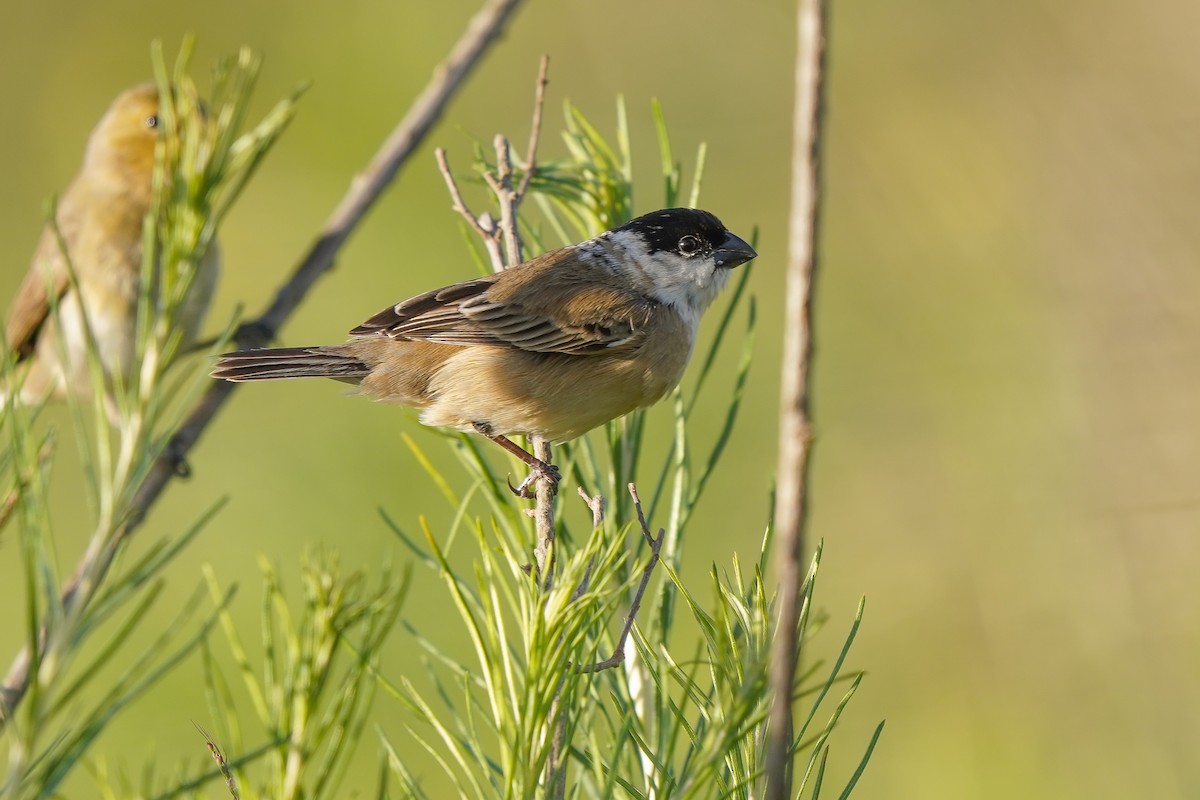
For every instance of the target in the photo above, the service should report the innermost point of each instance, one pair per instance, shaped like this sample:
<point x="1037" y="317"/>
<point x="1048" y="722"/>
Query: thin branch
<point x="510" y="200"/>
<point x="596" y="505"/>
<point x="618" y="656"/>
<point x="795" y="429"/>
<point x="481" y="32"/>
<point x="535" y="130"/>
<point x="508" y="230"/>
<point x="484" y="226"/>
<point x="502" y="186"/>
<point x="641" y="515"/>
<point x="544" y="514"/>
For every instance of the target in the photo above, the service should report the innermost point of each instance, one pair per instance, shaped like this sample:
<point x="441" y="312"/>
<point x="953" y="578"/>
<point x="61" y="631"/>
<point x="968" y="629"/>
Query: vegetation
<point x="553" y="701"/>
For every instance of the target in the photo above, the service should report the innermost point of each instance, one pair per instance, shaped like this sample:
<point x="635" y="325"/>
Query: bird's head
<point x="121" y="148"/>
<point x="686" y="254"/>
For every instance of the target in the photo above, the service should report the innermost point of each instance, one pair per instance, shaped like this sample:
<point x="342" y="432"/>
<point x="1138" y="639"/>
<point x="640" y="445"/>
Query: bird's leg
<point x="537" y="467"/>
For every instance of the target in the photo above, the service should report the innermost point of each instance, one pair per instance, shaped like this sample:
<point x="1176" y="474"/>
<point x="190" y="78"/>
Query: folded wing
<point x="542" y="306"/>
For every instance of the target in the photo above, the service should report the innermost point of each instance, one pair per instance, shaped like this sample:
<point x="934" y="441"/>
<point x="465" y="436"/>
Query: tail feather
<point x="290" y="362"/>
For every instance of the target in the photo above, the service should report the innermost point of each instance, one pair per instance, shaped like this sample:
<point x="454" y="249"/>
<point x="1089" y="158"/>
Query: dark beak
<point x="734" y="251"/>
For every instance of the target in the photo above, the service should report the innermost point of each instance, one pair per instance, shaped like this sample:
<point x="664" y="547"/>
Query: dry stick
<point x="510" y="200"/>
<point x="597" y="505"/>
<point x="795" y="431"/>
<point x="535" y="130"/>
<point x="543" y="552"/>
<point x="544" y="509"/>
<point x="487" y="232"/>
<point x="502" y="186"/>
<point x="655" y="543"/>
<point x="365" y="189"/>
<point x="507" y="233"/>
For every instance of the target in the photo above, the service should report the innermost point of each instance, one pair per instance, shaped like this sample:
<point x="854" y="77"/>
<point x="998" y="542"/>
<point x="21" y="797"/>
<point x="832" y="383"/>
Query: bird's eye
<point x="689" y="245"/>
<point x="152" y="121"/>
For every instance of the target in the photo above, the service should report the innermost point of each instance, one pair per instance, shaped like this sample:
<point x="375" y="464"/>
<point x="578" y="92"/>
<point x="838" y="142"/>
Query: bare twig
<point x="502" y="186"/>
<point x="510" y="200"/>
<point x="365" y="189"/>
<point x="535" y="130"/>
<point x="596" y="505"/>
<point x="795" y="431"/>
<point x="482" y="225"/>
<point x="618" y="655"/>
<point x="508" y="231"/>
<point x="544" y="514"/>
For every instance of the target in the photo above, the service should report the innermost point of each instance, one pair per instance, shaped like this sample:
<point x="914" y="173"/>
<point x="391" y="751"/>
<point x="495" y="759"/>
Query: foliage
<point x="660" y="724"/>
<point x="682" y="715"/>
<point x="83" y="626"/>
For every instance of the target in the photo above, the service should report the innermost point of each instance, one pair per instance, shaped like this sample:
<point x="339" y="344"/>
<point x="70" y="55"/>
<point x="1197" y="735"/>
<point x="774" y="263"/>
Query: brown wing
<point x="47" y="278"/>
<point x="550" y="304"/>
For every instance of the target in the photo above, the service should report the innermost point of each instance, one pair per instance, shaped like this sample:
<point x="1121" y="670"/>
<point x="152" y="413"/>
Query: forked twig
<point x="509" y="199"/>
<point x="503" y="243"/>
<point x="597" y="505"/>
<point x="482" y="225"/>
<point x="618" y="655"/>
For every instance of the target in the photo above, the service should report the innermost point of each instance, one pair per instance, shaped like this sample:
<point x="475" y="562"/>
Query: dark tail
<point x="290" y="362"/>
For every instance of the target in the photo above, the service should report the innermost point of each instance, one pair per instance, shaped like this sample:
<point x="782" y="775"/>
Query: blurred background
<point x="1007" y="384"/>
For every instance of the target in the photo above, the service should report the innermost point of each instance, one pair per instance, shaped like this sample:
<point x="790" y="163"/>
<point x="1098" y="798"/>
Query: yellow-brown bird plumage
<point x="100" y="217"/>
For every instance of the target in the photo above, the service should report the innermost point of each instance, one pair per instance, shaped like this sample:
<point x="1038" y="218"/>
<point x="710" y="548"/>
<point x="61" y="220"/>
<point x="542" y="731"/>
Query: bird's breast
<point x="554" y="395"/>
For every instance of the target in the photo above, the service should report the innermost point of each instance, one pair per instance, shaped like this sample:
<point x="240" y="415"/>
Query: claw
<point x="537" y="468"/>
<point x="546" y="472"/>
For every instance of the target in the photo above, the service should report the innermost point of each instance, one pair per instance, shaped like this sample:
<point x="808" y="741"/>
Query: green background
<point x="1007" y="372"/>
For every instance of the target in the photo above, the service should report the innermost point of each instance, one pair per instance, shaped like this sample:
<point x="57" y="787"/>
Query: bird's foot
<point x="539" y="471"/>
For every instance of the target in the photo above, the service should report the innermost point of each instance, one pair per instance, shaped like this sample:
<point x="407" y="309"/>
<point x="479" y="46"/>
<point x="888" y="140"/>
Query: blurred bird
<point x="100" y="217"/>
<point x="552" y="347"/>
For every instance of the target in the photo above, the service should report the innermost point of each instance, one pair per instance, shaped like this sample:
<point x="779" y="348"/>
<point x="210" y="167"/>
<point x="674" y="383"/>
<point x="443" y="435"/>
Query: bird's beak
<point x="733" y="252"/>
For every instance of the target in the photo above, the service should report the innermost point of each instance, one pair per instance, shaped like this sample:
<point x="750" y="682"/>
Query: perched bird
<point x="100" y="218"/>
<point x="552" y="347"/>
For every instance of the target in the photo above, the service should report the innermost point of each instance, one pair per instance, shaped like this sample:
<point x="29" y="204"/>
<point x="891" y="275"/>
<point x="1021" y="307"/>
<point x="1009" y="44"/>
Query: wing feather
<point x="542" y="306"/>
<point x="44" y="284"/>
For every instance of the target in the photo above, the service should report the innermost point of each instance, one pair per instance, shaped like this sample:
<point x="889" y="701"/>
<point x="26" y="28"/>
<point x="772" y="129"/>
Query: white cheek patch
<point x="689" y="285"/>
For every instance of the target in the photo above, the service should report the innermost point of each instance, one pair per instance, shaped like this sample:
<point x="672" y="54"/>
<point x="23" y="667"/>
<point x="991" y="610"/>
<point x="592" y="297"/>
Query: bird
<point x="553" y="347"/>
<point x="100" y="217"/>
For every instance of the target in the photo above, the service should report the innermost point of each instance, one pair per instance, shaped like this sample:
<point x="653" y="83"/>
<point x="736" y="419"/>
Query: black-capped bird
<point x="554" y="347"/>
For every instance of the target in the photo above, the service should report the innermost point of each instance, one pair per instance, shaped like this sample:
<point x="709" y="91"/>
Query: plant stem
<point x="795" y="431"/>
